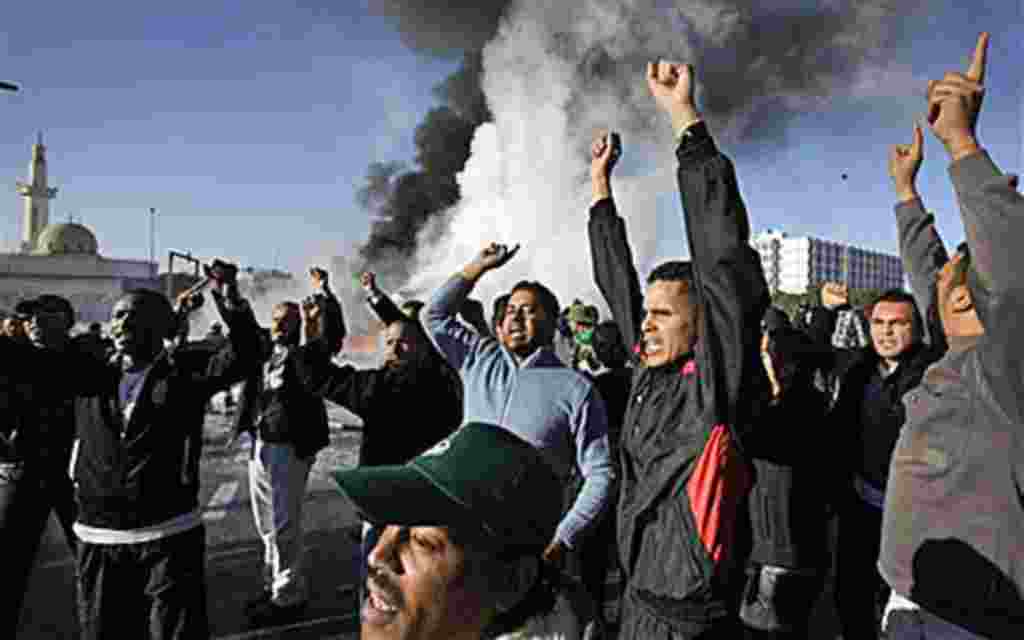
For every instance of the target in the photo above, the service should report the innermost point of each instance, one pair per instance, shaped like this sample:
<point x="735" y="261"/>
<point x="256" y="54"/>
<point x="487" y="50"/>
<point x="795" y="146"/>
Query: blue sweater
<point x="540" y="400"/>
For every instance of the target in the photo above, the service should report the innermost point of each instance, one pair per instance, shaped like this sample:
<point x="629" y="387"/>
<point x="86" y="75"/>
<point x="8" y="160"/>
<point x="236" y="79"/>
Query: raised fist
<point x="221" y="272"/>
<point x="835" y="294"/>
<point x="604" y="153"/>
<point x="672" y="86"/>
<point x="495" y="255"/>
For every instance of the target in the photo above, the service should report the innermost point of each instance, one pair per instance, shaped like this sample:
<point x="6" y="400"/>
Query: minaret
<point x="37" y="194"/>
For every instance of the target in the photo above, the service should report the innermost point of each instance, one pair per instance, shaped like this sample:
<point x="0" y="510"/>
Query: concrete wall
<point x="92" y="284"/>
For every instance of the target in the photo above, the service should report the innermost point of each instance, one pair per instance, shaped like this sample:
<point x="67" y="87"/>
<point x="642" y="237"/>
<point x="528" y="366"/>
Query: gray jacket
<point x="953" y="526"/>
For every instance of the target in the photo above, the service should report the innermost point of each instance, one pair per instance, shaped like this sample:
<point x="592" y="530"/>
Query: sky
<point x="250" y="130"/>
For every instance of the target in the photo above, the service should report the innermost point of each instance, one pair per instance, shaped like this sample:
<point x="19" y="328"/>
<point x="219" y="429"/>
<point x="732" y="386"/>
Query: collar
<point x="541" y="357"/>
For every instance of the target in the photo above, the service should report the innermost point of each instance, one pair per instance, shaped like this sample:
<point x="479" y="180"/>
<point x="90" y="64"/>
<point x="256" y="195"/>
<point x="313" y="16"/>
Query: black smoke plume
<point x="402" y="201"/>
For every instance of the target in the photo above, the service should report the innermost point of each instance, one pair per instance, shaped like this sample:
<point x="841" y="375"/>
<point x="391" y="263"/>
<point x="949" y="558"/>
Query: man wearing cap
<point x="521" y="385"/>
<point x="139" y="418"/>
<point x="463" y="529"/>
<point x="35" y="481"/>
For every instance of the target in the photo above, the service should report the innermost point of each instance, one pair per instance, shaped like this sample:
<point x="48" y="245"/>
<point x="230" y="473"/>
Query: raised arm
<point x="612" y="259"/>
<point x="455" y="340"/>
<point x="921" y="247"/>
<point x="730" y="286"/>
<point x="322" y="319"/>
<point x="242" y="351"/>
<point x="991" y="207"/>
<point x="381" y="303"/>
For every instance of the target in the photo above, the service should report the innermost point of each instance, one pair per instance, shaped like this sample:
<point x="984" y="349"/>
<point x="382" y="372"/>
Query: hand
<point x="221" y="272"/>
<point x="671" y="84"/>
<point x="835" y="294"/>
<point x="495" y="256"/>
<point x="604" y="154"/>
<point x="904" y="163"/>
<point x="318" y="277"/>
<point x="554" y="555"/>
<point x="368" y="280"/>
<point x="955" y="102"/>
<point x="188" y="301"/>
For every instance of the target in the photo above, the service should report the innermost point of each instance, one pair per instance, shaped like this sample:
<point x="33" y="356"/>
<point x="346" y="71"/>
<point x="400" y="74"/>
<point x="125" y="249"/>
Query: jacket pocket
<point x="673" y="563"/>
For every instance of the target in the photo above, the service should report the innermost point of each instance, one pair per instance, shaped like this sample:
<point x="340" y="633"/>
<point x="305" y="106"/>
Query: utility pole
<point x="152" y="241"/>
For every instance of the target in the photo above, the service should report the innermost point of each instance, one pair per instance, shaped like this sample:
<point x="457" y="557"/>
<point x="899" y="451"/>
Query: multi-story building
<point x="799" y="264"/>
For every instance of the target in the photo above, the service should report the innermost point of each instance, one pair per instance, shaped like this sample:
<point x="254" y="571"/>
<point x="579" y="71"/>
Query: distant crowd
<point x="697" y="465"/>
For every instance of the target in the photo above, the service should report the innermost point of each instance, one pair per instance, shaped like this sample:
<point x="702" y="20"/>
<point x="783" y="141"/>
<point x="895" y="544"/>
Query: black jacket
<point x="869" y="447"/>
<point x="673" y="413"/>
<point x="405" y="410"/>
<point x="793" y="495"/>
<point x="37" y="400"/>
<point x="147" y="471"/>
<point x="19" y="386"/>
<point x="294" y="413"/>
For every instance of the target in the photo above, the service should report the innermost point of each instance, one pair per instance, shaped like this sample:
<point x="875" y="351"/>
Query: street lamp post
<point x="152" y="240"/>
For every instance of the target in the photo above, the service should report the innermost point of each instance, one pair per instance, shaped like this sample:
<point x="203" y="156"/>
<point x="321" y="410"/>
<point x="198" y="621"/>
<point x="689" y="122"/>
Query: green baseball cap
<point x="490" y="485"/>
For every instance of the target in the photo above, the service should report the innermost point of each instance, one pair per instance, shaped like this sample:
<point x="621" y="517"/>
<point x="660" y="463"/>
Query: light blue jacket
<point x="556" y="409"/>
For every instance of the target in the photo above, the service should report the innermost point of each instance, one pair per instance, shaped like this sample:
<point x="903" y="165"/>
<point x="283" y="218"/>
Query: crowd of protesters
<point x="720" y="457"/>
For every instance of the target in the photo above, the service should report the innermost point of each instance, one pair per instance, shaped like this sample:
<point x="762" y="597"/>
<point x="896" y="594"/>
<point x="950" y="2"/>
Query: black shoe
<point x="272" y="615"/>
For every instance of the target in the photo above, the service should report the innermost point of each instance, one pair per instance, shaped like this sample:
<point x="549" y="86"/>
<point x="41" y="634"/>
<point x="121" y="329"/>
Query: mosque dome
<point x="68" y="237"/>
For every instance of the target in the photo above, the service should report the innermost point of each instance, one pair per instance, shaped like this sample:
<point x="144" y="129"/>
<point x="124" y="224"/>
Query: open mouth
<point x="652" y="346"/>
<point x="378" y="609"/>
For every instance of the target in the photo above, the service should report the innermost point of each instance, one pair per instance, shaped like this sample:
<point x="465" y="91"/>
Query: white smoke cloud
<point x="557" y="73"/>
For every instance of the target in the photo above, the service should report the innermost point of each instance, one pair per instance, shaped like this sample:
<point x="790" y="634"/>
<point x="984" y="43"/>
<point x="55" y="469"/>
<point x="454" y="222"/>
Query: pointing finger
<point x="918" y="140"/>
<point x="976" y="71"/>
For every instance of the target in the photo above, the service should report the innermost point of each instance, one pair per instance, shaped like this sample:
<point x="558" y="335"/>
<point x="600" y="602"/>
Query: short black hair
<point x="895" y="295"/>
<point x="547" y="299"/>
<point x="160" y="304"/>
<point x="50" y="303"/>
<point x="673" y="271"/>
<point x="901" y="296"/>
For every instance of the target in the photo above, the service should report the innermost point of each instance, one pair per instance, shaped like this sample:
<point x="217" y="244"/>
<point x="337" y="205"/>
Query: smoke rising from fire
<point x="552" y="75"/>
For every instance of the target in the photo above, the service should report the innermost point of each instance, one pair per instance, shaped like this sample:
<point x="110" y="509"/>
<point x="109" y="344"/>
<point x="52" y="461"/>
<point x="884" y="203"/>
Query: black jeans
<point x="27" y="495"/>
<point x="860" y="591"/>
<point x="153" y="590"/>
